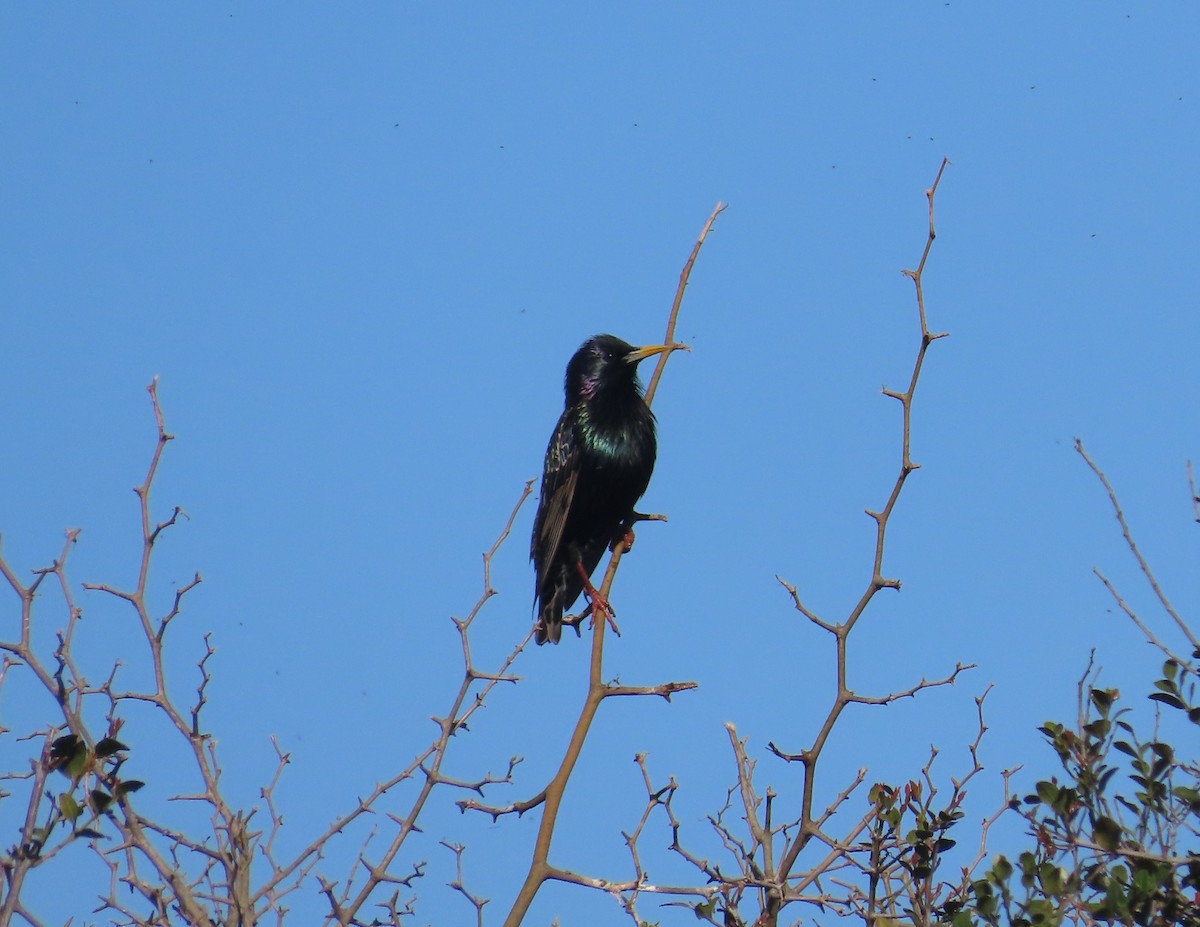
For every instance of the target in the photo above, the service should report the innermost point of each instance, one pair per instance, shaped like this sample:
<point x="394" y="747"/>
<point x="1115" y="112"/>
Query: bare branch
<point x="458" y="849"/>
<point x="664" y="690"/>
<point x="912" y="690"/>
<point x="1136" y="619"/>
<point x="468" y="700"/>
<point x="809" y="826"/>
<point x="1133" y="547"/>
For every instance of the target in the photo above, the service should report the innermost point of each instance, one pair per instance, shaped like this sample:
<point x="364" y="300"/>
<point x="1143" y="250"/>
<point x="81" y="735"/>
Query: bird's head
<point x="605" y="367"/>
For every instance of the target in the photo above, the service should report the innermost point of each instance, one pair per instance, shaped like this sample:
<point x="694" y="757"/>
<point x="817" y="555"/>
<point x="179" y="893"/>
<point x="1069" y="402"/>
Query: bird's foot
<point x="574" y="621"/>
<point x="609" y="615"/>
<point x="597" y="602"/>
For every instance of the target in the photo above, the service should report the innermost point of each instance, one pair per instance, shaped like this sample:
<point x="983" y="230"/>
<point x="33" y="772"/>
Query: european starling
<point x="598" y="464"/>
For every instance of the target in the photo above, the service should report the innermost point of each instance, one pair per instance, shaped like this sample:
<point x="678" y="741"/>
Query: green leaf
<point x="1103" y="699"/>
<point x="1047" y="792"/>
<point x="89" y="833"/>
<point x="1167" y="699"/>
<point x="1117" y="901"/>
<point x="78" y="762"/>
<point x="69" y="754"/>
<point x="108" y="746"/>
<point x="1144" y="881"/>
<point x="131" y="785"/>
<point x="69" y="806"/>
<point x="99" y="800"/>
<point x="1098" y="729"/>
<point x="1107" y="833"/>
<point x="988" y="905"/>
<point x="1068" y="798"/>
<point x="1051" y="877"/>
<point x="63" y="747"/>
<point x="1125" y="802"/>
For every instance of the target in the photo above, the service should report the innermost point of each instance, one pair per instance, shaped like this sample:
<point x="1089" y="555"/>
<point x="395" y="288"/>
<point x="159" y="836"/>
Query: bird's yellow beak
<point x="650" y="350"/>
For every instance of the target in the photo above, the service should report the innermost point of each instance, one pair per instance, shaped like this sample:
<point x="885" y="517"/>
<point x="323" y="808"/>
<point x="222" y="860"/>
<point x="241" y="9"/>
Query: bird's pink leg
<point x="597" y="601"/>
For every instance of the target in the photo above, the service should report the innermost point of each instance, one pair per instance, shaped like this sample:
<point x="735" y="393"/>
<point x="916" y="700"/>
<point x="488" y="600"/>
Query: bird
<point x="598" y="465"/>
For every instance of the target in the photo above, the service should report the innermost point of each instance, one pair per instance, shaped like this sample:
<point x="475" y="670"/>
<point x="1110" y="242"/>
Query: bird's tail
<point x="549" y="627"/>
<point x="550" y="604"/>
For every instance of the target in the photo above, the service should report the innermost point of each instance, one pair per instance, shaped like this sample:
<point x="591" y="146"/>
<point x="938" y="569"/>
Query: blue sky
<point x="359" y="246"/>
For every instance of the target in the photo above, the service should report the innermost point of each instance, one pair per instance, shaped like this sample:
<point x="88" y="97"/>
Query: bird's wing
<point x="559" y="478"/>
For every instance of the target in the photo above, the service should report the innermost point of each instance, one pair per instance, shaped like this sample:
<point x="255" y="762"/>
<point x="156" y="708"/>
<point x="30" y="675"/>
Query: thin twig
<point x="1149" y="574"/>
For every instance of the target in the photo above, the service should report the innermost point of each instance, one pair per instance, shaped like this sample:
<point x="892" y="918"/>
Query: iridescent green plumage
<point x="597" y="466"/>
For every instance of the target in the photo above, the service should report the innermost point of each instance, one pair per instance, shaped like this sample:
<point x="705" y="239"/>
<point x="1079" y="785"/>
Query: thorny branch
<point x="767" y="855"/>
<point x="465" y="705"/>
<point x="178" y="875"/>
<point x="778" y="892"/>
<point x="458" y="885"/>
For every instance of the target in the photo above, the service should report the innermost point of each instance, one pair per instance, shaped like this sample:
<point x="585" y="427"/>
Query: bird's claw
<point x="597" y="601"/>
<point x="612" y="621"/>
<point x="606" y="610"/>
<point x="574" y="621"/>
